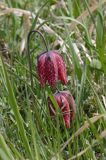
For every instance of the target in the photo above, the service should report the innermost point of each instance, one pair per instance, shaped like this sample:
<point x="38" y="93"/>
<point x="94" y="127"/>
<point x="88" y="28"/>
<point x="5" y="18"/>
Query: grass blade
<point x="4" y="149"/>
<point x="14" y="107"/>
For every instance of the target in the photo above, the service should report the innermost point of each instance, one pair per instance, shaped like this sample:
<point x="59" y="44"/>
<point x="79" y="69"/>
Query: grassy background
<point x="78" y="30"/>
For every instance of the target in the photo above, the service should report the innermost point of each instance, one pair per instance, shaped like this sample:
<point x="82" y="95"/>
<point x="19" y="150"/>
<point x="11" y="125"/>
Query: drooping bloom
<point x="66" y="103"/>
<point x="51" y="68"/>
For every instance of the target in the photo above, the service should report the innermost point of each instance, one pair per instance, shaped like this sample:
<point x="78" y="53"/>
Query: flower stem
<point x="30" y="51"/>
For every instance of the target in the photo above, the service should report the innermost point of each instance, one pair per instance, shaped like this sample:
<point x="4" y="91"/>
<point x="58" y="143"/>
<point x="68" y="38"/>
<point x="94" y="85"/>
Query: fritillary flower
<point x="51" y="68"/>
<point x="66" y="103"/>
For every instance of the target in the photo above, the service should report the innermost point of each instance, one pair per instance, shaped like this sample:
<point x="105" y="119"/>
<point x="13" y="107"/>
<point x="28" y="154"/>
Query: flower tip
<point x="65" y="81"/>
<point x="67" y="123"/>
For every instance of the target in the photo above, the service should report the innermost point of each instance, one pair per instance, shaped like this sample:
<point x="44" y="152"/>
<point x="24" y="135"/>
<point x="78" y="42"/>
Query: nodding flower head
<point x="51" y="68"/>
<point x="66" y="103"/>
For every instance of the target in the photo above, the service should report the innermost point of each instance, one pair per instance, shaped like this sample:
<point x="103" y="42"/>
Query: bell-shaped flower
<point x="51" y="68"/>
<point x="66" y="103"/>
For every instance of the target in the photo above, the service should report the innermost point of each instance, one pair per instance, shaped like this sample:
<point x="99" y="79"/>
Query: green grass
<point x="77" y="30"/>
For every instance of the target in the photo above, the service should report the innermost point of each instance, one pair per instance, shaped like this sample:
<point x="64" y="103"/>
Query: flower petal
<point x="62" y="74"/>
<point x="51" y="69"/>
<point x="70" y="99"/>
<point x="65" y="108"/>
<point x="41" y="68"/>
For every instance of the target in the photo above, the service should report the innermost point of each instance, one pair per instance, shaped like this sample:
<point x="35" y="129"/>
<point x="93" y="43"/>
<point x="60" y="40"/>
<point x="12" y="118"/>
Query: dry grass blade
<point x="26" y="26"/>
<point x="80" y="153"/>
<point x="104" y="100"/>
<point x="103" y="135"/>
<point x="18" y="12"/>
<point x="85" y="14"/>
<point x="80" y="130"/>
